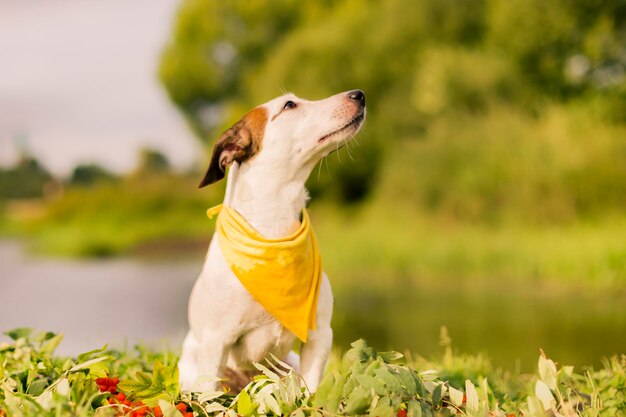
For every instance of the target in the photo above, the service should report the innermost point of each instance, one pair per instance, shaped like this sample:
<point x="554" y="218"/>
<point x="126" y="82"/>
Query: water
<point x="94" y="302"/>
<point x="510" y="322"/>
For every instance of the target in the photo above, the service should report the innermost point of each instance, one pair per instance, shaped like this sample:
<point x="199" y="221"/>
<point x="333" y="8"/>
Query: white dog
<point x="272" y="150"/>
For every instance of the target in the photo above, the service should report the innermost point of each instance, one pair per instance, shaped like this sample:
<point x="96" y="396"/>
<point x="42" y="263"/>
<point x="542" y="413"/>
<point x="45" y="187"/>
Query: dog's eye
<point x="289" y="105"/>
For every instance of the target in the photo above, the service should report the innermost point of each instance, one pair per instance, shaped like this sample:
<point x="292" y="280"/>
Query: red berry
<point x="181" y="407"/>
<point x="401" y="413"/>
<point x="115" y="380"/>
<point x="188" y="414"/>
<point x="157" y="411"/>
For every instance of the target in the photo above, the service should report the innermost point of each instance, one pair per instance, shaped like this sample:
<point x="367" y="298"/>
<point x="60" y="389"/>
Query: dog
<point x="271" y="152"/>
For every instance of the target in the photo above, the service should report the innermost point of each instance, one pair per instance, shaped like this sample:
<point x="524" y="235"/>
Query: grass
<point x="143" y="382"/>
<point x="115" y="219"/>
<point x="396" y="241"/>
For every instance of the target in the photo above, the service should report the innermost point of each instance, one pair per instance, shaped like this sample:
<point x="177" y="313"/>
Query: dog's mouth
<point x="355" y="123"/>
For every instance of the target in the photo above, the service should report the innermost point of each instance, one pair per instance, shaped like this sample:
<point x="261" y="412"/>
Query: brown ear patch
<point x="239" y="143"/>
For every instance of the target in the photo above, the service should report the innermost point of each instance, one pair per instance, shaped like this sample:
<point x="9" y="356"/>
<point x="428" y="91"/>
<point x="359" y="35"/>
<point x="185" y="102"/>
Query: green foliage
<point x="149" y="208"/>
<point x="152" y="162"/>
<point x="162" y="384"/>
<point x="27" y="179"/>
<point x="35" y="382"/>
<point x="425" y="65"/>
<point x="555" y="174"/>
<point x="89" y="174"/>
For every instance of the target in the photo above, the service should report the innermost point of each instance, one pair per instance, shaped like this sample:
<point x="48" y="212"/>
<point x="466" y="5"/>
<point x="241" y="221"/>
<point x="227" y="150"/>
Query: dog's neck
<point x="270" y="202"/>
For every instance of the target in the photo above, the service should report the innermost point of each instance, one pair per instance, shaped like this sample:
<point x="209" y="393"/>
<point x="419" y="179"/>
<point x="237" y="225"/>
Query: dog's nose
<point x="357" y="95"/>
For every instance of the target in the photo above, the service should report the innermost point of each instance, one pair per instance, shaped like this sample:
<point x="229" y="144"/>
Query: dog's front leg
<point x="316" y="350"/>
<point x="208" y="355"/>
<point x="314" y="356"/>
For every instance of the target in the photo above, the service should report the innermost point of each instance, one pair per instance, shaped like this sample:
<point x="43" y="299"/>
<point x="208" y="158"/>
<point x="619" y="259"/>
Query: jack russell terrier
<point x="262" y="286"/>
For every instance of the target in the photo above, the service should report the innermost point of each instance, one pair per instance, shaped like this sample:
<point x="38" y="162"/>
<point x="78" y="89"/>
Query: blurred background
<point x="486" y="194"/>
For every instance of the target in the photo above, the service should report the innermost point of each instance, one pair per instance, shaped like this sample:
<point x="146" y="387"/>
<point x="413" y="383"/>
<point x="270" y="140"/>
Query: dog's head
<point x="291" y="132"/>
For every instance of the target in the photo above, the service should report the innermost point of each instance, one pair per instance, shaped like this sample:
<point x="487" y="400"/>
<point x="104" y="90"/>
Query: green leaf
<point x="391" y="357"/>
<point x="360" y="351"/>
<point x="543" y="393"/>
<point x="87" y="365"/>
<point x="369" y="382"/>
<point x="382" y="409"/>
<point x="87" y="355"/>
<point x="547" y="371"/>
<point x="438" y="394"/>
<point x="271" y="402"/>
<point x="409" y="380"/>
<point x="414" y="409"/>
<point x="205" y="397"/>
<point x="329" y="393"/>
<point x="19" y="333"/>
<point x="168" y="409"/>
<point x="162" y="385"/>
<point x="37" y="387"/>
<point x="471" y="395"/>
<point x="391" y="380"/>
<point x="166" y="378"/>
<point x="244" y="404"/>
<point x="50" y="345"/>
<point x="358" y="401"/>
<point x="456" y="396"/>
<point x="132" y="386"/>
<point x="270" y="374"/>
<point x="298" y="413"/>
<point x="213" y="407"/>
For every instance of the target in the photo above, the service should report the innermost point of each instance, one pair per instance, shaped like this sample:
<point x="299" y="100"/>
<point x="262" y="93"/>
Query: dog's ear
<point x="239" y="143"/>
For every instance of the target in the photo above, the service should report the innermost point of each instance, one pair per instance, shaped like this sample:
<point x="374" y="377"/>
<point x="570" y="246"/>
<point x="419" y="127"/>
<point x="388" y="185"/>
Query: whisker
<point x="348" y="150"/>
<point x="319" y="168"/>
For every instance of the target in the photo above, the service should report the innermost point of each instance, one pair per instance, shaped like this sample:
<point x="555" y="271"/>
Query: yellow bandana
<point x="283" y="275"/>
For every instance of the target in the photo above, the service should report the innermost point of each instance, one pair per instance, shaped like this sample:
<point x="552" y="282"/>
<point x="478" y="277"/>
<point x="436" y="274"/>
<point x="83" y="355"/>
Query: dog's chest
<point x="220" y="302"/>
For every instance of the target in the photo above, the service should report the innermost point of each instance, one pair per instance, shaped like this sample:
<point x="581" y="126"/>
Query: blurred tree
<point x="89" y="174"/>
<point x="152" y="162"/>
<point x="423" y="65"/>
<point x="27" y="179"/>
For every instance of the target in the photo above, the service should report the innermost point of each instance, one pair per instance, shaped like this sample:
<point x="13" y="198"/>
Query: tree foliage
<point x="27" y="179"/>
<point x="420" y="63"/>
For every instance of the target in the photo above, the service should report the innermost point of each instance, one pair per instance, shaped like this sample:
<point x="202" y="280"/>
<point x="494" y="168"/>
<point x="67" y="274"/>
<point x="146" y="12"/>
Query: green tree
<point x="27" y="179"/>
<point x="90" y="174"/>
<point x="152" y="162"/>
<point x="423" y="65"/>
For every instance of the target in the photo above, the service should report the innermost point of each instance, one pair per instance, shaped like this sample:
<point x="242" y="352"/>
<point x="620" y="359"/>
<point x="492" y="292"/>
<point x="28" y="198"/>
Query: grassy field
<point x="393" y="240"/>
<point x="143" y="382"/>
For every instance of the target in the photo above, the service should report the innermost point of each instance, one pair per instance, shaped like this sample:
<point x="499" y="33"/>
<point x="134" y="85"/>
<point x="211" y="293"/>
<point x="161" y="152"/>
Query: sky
<point x="78" y="84"/>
